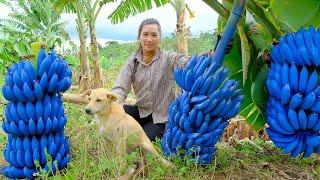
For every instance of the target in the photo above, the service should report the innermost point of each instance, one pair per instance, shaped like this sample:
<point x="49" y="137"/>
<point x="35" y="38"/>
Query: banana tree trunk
<point x="97" y="73"/>
<point x="181" y="32"/>
<point x="84" y="63"/>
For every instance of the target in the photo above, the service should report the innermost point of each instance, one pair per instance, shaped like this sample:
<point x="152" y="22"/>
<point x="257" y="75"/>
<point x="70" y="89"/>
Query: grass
<point x="92" y="157"/>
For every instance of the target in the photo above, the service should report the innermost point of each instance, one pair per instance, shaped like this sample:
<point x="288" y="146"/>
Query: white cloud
<point x="4" y="11"/>
<point x="205" y="20"/>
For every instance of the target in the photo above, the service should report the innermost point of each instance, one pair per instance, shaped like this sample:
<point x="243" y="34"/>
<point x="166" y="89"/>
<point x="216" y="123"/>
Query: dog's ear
<point x="112" y="97"/>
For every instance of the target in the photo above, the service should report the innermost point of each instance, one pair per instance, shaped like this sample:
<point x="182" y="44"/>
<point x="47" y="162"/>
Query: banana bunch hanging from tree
<point x="294" y="103"/>
<point x="198" y="117"/>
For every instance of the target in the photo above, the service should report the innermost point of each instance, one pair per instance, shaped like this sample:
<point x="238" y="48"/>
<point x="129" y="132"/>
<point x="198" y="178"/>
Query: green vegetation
<point x="92" y="157"/>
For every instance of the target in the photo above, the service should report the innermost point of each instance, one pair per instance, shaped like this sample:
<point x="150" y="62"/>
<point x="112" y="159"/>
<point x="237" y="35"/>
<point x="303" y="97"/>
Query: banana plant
<point x="77" y="8"/>
<point x="129" y="8"/>
<point x="182" y="32"/>
<point x="270" y="19"/>
<point x="28" y="22"/>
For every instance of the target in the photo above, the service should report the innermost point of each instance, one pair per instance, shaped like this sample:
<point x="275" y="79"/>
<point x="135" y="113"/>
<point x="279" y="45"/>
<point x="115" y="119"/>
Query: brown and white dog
<point x="117" y="126"/>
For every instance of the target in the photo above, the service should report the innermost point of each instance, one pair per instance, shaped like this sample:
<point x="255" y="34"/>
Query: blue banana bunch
<point x="34" y="116"/>
<point x="197" y="118"/>
<point x="301" y="48"/>
<point x="294" y="103"/>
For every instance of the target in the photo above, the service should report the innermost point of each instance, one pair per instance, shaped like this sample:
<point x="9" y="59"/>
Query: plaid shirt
<point x="153" y="84"/>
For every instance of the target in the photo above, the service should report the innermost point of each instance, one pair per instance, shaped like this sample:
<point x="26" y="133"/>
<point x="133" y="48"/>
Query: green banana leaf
<point x="246" y="67"/>
<point x="297" y="13"/>
<point x="254" y="104"/>
<point x="245" y="50"/>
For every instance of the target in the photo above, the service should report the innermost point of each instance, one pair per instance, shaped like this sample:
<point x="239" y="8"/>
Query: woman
<point x="150" y="72"/>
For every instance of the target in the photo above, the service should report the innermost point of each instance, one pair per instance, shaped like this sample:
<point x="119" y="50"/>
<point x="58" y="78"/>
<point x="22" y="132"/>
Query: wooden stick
<point x="76" y="98"/>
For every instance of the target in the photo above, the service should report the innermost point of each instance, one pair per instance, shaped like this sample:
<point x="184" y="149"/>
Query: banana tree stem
<point x="230" y="28"/>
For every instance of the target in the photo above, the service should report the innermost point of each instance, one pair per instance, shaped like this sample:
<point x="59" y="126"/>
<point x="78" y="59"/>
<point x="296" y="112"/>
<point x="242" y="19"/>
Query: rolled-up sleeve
<point x="122" y="85"/>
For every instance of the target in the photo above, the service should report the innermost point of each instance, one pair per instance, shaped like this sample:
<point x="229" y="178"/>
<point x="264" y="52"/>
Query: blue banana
<point x="285" y="94"/>
<point x="199" y="118"/>
<point x="196" y="86"/>
<point x="274" y="124"/>
<point x="286" y="52"/>
<point x="211" y="69"/>
<point x="303" y="119"/>
<point x="38" y="91"/>
<point x="303" y="49"/>
<point x="226" y="108"/>
<point x="211" y="106"/>
<point x="203" y="105"/>
<point x="28" y="92"/>
<point x="293" y="78"/>
<point x="28" y="160"/>
<point x="198" y="99"/>
<point x="14" y="112"/>
<point x="35" y="144"/>
<point x="274" y="88"/>
<point x="290" y="39"/>
<point x="285" y="74"/>
<point x="276" y="55"/>
<point x="204" y="64"/>
<point x="308" y="41"/>
<point x="316" y="106"/>
<point x="312" y="82"/>
<point x="308" y="101"/>
<point x="218" y="108"/>
<point x="312" y="120"/>
<point x="189" y="80"/>
<point x="64" y="84"/>
<point x="30" y="71"/>
<point x="295" y="101"/>
<point x="9" y="79"/>
<point x="205" y="85"/>
<point x="279" y="138"/>
<point x="284" y="123"/>
<point x="21" y="108"/>
<point x="41" y="56"/>
<point x="316" y="39"/>
<point x="32" y="127"/>
<point x="293" y="118"/>
<point x="291" y="146"/>
<point x="25" y="78"/>
<point x="52" y="69"/>
<point x="178" y="77"/>
<point x="44" y="81"/>
<point x="192" y="62"/>
<point x="18" y="92"/>
<point x="299" y="148"/>
<point x="45" y="65"/>
<point x="315" y="56"/>
<point x="316" y="127"/>
<point x="234" y="111"/>
<point x="303" y="79"/>
<point x="16" y="79"/>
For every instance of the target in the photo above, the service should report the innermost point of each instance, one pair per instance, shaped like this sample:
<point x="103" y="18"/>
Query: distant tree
<point x="182" y="32"/>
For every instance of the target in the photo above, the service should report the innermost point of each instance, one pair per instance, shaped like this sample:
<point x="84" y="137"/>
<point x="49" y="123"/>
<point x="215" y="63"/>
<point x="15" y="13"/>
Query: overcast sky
<point x="205" y="20"/>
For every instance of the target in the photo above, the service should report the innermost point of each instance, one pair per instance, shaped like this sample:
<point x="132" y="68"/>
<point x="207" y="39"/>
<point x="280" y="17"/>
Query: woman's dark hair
<point x="148" y="22"/>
